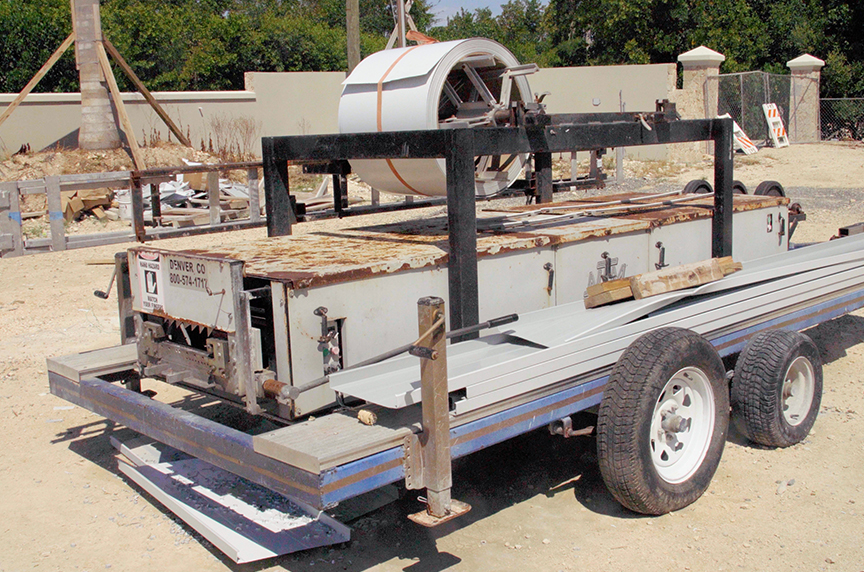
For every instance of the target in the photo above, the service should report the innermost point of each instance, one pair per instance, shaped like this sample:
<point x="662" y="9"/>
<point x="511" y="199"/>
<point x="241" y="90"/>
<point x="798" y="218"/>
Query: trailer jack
<point x="434" y="442"/>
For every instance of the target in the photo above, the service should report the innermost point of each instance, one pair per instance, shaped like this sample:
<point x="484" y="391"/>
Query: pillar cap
<point x="805" y="63"/>
<point x="701" y="57"/>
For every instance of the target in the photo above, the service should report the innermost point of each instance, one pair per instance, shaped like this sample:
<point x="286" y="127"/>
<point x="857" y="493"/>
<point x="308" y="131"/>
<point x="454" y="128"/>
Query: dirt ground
<point x="538" y="501"/>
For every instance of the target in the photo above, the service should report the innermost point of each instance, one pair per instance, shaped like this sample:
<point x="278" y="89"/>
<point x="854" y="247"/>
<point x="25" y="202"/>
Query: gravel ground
<point x="538" y="501"/>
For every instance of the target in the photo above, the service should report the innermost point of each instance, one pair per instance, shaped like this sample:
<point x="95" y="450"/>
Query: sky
<point x="444" y="8"/>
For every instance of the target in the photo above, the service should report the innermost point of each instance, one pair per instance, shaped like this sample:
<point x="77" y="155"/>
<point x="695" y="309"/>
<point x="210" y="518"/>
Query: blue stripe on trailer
<point x="332" y="492"/>
<point x="495" y="428"/>
<point x="800" y="320"/>
<point x="360" y="465"/>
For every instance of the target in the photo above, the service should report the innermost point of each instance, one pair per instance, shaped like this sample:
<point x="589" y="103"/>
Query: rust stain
<point x="321" y="258"/>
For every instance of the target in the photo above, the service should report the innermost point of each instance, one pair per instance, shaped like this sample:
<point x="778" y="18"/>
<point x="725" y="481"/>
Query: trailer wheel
<point x="777" y="388"/>
<point x="662" y="422"/>
<point x="698" y="186"/>
<point x="739" y="188"/>
<point x="770" y="188"/>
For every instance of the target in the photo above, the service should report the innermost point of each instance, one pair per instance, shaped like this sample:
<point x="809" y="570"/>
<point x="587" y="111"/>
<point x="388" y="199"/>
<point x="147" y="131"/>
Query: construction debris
<point x="76" y="204"/>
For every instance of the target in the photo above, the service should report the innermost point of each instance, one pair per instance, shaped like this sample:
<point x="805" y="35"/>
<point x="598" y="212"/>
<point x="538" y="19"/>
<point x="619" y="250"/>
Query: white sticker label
<point x="150" y="281"/>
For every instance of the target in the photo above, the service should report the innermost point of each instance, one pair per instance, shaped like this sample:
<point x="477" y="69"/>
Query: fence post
<point x="213" y="197"/>
<point x="254" y="196"/>
<point x="55" y="213"/>
<point x="804" y="121"/>
<point x="11" y="240"/>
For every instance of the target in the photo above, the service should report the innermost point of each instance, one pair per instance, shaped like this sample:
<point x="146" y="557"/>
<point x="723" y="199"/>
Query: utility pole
<point x="352" y="20"/>
<point x="98" y="125"/>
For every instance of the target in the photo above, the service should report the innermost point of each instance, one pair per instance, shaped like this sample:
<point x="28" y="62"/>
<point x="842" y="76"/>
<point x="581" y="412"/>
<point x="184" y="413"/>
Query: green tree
<point x="29" y="33"/>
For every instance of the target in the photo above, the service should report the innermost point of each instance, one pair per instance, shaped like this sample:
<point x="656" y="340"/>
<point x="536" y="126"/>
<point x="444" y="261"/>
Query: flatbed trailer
<point x="248" y="324"/>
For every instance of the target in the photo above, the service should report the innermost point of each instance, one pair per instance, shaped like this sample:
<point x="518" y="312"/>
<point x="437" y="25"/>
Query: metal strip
<point x="222" y="446"/>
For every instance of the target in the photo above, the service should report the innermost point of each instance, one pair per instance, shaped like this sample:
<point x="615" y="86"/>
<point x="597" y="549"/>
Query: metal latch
<point x="662" y="264"/>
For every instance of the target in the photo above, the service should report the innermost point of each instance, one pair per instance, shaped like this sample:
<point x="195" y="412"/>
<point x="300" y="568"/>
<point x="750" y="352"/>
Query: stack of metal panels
<point x="567" y="343"/>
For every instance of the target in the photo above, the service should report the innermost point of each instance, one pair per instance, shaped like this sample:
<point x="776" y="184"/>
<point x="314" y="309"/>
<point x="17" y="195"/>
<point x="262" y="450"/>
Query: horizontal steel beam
<point x="487" y="141"/>
<point x="207" y="440"/>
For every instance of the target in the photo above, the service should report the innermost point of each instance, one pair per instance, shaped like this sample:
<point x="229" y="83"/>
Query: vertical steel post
<point x="124" y="298"/>
<point x="721" y="226"/>
<point x="462" y="224"/>
<point x="543" y="172"/>
<point x="156" y="204"/>
<point x="241" y="349"/>
<point x="435" y="438"/>
<point x="400" y="22"/>
<point x="280" y="213"/>
<point x="339" y="193"/>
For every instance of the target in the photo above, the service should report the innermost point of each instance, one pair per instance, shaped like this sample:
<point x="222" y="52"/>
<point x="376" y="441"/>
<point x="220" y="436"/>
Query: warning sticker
<point x="150" y="281"/>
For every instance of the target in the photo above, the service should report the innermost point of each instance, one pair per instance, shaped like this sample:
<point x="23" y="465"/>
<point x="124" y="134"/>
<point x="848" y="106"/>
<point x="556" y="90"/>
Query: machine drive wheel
<point x="698" y="186"/>
<point x="777" y="388"/>
<point x="663" y="420"/>
<point x="739" y="188"/>
<point x="770" y="188"/>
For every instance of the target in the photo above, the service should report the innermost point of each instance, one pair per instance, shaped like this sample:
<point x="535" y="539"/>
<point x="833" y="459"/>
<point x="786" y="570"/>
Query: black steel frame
<point x="459" y="147"/>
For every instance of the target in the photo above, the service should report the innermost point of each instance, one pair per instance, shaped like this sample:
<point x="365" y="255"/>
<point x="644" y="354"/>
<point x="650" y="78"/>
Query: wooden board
<point x="608" y="292"/>
<point x="675" y="278"/>
<point x="137" y="157"/>
<point x="145" y="92"/>
<point x="39" y="75"/>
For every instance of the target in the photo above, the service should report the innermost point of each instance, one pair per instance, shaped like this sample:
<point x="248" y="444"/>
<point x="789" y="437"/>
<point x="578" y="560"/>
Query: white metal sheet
<point x="245" y="521"/>
<point x="185" y="287"/>
<point x="774" y="282"/>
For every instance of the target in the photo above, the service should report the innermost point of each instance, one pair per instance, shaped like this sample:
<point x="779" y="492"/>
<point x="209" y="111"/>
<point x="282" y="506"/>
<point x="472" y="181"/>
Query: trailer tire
<point x="777" y="388"/>
<point x="739" y="188"/>
<point x="698" y="186"/>
<point x="663" y="421"/>
<point x="770" y="188"/>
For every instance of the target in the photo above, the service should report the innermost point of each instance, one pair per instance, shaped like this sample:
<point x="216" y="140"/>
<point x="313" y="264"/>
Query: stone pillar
<point x="697" y="99"/>
<point x="98" y="126"/>
<point x="804" y="99"/>
<point x="701" y="71"/>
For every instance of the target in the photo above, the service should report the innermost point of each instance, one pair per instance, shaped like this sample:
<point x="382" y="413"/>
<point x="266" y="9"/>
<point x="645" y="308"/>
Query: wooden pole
<point x="352" y="20"/>
<point x="39" y="75"/>
<point x="137" y="157"/>
<point x="115" y="55"/>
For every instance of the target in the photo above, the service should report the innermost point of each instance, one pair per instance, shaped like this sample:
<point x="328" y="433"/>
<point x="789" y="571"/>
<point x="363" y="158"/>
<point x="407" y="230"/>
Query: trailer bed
<point x="320" y="258"/>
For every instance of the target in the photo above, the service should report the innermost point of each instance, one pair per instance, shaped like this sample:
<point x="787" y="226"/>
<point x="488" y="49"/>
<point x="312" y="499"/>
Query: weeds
<point x="231" y="138"/>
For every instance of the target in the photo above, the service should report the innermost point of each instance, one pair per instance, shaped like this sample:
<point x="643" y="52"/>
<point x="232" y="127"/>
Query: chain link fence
<point x="741" y="95"/>
<point x="842" y="118"/>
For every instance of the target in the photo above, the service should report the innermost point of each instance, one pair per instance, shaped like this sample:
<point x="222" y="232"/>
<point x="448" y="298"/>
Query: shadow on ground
<point x="490" y="480"/>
